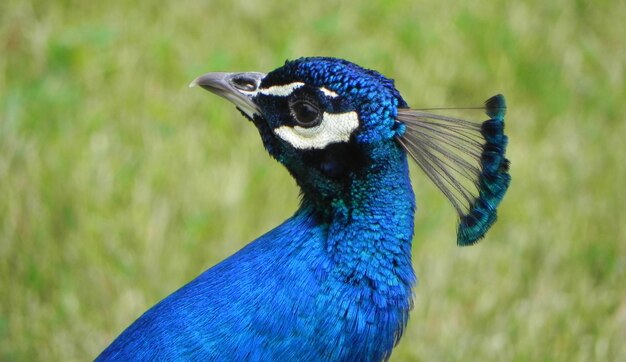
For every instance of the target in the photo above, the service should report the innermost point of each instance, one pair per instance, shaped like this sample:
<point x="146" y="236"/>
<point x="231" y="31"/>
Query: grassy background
<point x="118" y="184"/>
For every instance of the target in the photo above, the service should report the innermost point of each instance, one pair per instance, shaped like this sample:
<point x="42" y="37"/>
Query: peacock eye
<point x="305" y="113"/>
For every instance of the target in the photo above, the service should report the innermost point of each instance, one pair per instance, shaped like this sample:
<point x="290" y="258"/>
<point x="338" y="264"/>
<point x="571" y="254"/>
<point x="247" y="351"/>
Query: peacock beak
<point x="238" y="88"/>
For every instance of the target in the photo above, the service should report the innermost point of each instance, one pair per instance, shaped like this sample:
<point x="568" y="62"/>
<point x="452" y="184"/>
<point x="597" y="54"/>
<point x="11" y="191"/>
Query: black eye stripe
<point x="281" y="107"/>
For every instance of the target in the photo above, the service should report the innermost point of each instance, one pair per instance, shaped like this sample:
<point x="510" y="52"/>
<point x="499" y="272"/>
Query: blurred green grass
<point x="118" y="184"/>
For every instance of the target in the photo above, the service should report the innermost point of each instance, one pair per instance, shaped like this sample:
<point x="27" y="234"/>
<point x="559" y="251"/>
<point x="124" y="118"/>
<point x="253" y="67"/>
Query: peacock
<point x="334" y="281"/>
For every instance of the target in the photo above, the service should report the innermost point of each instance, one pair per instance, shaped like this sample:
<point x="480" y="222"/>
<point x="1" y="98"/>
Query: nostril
<point x="244" y="82"/>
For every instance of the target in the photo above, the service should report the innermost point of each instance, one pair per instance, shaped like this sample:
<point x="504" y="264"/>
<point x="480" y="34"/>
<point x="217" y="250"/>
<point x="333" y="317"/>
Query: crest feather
<point x="465" y="160"/>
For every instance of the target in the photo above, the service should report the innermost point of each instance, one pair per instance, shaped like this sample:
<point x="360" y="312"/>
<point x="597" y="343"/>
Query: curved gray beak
<point x="238" y="88"/>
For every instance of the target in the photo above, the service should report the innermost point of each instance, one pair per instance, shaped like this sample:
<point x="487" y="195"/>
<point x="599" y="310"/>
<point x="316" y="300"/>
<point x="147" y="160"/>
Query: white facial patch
<point x="276" y="90"/>
<point x="328" y="93"/>
<point x="334" y="128"/>
<point x="286" y="90"/>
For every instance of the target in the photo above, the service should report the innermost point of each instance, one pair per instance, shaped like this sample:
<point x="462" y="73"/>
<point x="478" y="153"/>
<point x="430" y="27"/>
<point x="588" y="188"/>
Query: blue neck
<point x="368" y="245"/>
<point x="370" y="227"/>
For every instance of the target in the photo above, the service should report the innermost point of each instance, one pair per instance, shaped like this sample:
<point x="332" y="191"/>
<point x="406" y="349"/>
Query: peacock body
<point x="334" y="281"/>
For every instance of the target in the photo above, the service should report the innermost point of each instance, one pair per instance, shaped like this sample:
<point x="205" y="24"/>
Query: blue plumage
<point x="333" y="282"/>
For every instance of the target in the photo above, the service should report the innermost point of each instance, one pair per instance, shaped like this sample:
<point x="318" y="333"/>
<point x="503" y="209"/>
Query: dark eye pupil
<point x="306" y="114"/>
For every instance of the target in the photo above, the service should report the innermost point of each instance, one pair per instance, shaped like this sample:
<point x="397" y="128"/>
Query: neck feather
<point x="370" y="227"/>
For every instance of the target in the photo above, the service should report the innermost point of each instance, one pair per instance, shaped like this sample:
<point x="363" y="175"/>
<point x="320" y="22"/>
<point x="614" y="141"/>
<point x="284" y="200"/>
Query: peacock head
<point x="332" y="122"/>
<point x="325" y="119"/>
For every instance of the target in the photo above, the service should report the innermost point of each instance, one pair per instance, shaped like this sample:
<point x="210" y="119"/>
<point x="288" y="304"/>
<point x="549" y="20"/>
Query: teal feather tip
<point x="465" y="160"/>
<point x="494" y="179"/>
